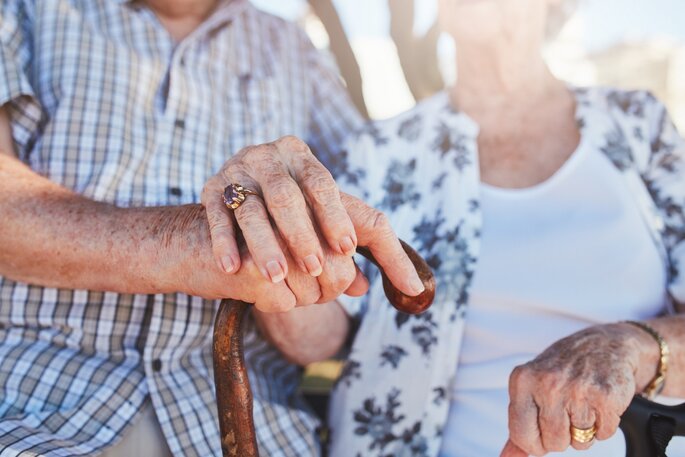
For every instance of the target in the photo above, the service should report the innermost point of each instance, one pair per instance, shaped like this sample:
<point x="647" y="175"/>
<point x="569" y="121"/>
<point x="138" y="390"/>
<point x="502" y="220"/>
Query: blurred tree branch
<point x="342" y="50"/>
<point x="418" y="54"/>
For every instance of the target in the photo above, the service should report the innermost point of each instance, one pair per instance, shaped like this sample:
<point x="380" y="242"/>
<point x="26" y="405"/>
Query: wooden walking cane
<point x="648" y="427"/>
<point x="233" y="394"/>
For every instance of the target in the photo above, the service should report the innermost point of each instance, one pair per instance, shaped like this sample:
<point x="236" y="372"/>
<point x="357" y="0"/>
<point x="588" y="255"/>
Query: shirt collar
<point x="226" y="9"/>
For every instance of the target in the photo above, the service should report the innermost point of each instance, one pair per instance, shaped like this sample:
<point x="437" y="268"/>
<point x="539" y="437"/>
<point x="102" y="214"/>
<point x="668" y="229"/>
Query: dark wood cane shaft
<point x="233" y="393"/>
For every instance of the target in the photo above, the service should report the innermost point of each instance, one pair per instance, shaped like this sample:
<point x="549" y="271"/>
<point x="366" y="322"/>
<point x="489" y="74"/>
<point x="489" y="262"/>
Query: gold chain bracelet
<point x="656" y="385"/>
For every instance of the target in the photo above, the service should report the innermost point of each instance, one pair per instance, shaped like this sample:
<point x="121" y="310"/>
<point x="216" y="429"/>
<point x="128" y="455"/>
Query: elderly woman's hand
<point x="585" y="380"/>
<point x="300" y="198"/>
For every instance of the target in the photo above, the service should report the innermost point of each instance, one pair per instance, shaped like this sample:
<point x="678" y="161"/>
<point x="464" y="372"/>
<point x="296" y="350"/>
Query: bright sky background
<point x="605" y="22"/>
<point x="598" y="24"/>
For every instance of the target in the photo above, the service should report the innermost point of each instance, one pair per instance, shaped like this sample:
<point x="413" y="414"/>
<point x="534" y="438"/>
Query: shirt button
<point x="180" y="123"/>
<point x="175" y="191"/>
<point x="156" y="365"/>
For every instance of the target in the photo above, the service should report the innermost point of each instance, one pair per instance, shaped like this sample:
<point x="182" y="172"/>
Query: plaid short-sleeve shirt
<point x="103" y="102"/>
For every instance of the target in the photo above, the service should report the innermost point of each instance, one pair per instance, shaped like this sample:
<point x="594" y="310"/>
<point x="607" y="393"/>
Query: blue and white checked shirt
<point x="103" y="102"/>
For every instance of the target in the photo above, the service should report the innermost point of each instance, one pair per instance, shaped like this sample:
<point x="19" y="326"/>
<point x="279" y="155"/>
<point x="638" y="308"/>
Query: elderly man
<point x="115" y="114"/>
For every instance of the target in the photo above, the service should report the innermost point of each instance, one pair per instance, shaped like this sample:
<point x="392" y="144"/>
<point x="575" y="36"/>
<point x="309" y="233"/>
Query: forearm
<point x="56" y="238"/>
<point x="306" y="334"/>
<point x="672" y="329"/>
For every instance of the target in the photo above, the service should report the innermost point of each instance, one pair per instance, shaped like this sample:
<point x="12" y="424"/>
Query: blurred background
<point x="391" y="54"/>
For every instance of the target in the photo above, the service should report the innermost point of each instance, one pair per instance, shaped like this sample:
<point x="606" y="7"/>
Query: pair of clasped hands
<point x="300" y="234"/>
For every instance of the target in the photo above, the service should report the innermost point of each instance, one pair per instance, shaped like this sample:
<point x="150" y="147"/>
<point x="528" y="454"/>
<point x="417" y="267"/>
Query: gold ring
<point x="235" y="194"/>
<point x="583" y="435"/>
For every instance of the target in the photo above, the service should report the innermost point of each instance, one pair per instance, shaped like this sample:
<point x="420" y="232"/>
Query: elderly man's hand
<point x="301" y="199"/>
<point x="587" y="379"/>
<point x="297" y="289"/>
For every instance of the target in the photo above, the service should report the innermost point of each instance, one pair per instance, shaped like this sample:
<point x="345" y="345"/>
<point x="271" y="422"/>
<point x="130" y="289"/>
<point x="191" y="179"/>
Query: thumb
<point x="359" y="286"/>
<point x="512" y="450"/>
<point x="374" y="231"/>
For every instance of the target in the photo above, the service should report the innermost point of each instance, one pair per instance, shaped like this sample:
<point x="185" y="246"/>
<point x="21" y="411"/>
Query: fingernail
<point x="311" y="262"/>
<point x="227" y="264"/>
<point x="417" y="285"/>
<point x="347" y="245"/>
<point x="276" y="272"/>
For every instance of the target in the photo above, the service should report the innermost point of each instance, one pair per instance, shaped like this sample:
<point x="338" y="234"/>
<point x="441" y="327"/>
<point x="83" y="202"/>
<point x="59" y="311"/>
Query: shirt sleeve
<point x="16" y="92"/>
<point x="664" y="176"/>
<point x="332" y="115"/>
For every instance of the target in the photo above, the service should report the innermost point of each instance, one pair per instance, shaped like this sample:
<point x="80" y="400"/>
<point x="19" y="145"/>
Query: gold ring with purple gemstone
<point x="235" y="195"/>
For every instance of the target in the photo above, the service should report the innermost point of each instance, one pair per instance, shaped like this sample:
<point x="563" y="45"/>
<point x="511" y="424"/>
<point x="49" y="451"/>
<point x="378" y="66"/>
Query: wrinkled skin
<point x="586" y="379"/>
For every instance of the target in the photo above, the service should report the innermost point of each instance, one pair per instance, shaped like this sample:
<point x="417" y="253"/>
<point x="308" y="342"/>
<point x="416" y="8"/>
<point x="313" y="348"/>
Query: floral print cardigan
<point x="421" y="169"/>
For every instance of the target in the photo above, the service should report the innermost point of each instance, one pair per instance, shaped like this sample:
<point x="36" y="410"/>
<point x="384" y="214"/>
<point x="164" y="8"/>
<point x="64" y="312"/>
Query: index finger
<point x="524" y="429"/>
<point x="374" y="231"/>
<point x="321" y="193"/>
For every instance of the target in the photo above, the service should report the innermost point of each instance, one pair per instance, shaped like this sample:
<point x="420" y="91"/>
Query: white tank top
<point x="555" y="258"/>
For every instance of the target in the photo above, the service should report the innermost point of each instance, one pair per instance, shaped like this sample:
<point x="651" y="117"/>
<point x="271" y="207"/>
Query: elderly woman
<point x="552" y="215"/>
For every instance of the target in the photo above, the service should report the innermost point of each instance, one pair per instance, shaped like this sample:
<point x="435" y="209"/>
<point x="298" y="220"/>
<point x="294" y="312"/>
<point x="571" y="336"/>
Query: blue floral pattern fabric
<point x="421" y="169"/>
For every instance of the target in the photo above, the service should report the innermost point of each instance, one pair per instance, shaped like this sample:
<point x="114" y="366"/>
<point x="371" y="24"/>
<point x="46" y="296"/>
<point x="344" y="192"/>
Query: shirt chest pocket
<point x="97" y="93"/>
<point x="255" y="112"/>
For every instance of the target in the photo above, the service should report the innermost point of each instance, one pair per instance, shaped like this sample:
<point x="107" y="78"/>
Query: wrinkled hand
<point x="309" y="214"/>
<point x="249" y="285"/>
<point x="586" y="379"/>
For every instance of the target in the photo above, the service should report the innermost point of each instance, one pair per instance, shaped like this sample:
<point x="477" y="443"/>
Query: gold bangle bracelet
<point x="656" y="385"/>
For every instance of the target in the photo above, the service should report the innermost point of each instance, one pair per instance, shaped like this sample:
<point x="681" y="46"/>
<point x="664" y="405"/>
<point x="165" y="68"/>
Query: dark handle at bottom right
<point x="648" y="427"/>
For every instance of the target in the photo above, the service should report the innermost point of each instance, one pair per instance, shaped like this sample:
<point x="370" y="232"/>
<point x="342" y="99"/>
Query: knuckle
<point x="303" y="241"/>
<point x="271" y="306"/>
<point x="217" y="219"/>
<point x="322" y="189"/>
<point x="282" y="197"/>
<point x="306" y="289"/>
<point x="273" y="171"/>
<point x="555" y="443"/>
<point x="517" y="376"/>
<point x="244" y="153"/>
<point x="254" y="157"/>
<point x="234" y="172"/>
<point x="308" y="296"/>
<point x="292" y="143"/>
<point x="549" y="380"/>
<point x="250" y="212"/>
<point x="341" y="278"/>
<point x="211" y="188"/>
<point x="607" y="427"/>
<point x="380" y="223"/>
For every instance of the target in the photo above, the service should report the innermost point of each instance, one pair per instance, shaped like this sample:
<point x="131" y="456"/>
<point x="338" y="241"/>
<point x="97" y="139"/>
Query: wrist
<point x="187" y="264"/>
<point x="652" y="358"/>
<point x="183" y="249"/>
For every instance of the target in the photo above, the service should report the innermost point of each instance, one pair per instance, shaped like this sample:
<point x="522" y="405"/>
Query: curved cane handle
<point x="641" y="423"/>
<point x="233" y="393"/>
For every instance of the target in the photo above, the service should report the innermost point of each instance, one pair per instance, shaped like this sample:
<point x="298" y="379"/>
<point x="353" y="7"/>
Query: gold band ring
<point x="235" y="194"/>
<point x="583" y="435"/>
